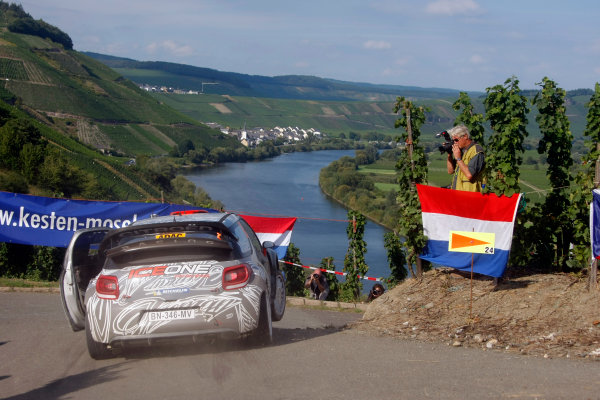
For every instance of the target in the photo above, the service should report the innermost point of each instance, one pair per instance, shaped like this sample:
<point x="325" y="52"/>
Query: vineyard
<point x="12" y="69"/>
<point x="35" y="74"/>
<point x="63" y="61"/>
<point x="90" y="134"/>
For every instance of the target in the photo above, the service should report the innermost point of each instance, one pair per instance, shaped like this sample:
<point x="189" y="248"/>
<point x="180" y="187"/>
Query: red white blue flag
<point x="276" y="230"/>
<point x="446" y="210"/>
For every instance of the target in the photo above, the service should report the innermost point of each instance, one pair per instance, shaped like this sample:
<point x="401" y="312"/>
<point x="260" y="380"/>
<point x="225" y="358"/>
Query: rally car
<point x="174" y="277"/>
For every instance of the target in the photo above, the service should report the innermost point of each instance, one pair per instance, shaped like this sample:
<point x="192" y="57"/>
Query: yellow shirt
<point x="460" y="181"/>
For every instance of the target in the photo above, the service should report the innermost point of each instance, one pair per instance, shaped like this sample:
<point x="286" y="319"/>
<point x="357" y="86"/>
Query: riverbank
<point x="368" y="216"/>
<point x="342" y="182"/>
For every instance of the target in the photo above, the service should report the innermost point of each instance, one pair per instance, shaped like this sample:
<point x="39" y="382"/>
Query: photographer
<point x="375" y="292"/>
<point x="319" y="288"/>
<point x="466" y="162"/>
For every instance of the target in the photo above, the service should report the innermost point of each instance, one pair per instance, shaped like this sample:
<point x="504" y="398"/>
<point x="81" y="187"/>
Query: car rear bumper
<point x="173" y="338"/>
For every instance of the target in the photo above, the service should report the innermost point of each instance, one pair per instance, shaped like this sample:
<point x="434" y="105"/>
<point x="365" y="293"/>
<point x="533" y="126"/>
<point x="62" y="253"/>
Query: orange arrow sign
<point x="472" y="242"/>
<point x="465" y="241"/>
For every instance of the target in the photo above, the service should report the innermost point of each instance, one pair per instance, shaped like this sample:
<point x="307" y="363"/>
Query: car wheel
<point x="278" y="303"/>
<point x="263" y="334"/>
<point x="97" y="350"/>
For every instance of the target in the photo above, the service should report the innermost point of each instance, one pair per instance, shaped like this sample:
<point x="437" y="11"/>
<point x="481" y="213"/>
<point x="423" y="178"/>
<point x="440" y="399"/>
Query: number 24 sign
<point x="472" y="242"/>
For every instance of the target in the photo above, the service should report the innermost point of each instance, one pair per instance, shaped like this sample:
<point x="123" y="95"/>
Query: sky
<point x="456" y="44"/>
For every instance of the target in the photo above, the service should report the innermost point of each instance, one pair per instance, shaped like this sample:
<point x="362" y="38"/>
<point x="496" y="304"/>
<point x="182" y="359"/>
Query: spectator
<point x="319" y="288"/>
<point x="375" y="292"/>
<point x="467" y="161"/>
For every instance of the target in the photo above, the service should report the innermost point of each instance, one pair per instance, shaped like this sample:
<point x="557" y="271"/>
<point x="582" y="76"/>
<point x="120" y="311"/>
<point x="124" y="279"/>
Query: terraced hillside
<point x="84" y="98"/>
<point x="90" y="120"/>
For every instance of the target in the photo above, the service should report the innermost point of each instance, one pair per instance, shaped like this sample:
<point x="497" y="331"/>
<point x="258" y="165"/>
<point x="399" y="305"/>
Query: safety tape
<point x="330" y="272"/>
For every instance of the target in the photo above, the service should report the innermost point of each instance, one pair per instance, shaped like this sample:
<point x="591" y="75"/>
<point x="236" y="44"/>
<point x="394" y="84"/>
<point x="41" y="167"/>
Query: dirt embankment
<point x="549" y="315"/>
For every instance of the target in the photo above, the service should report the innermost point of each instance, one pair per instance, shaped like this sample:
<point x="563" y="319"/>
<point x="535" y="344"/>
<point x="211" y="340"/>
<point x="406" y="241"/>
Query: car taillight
<point x="107" y="287"/>
<point x="236" y="276"/>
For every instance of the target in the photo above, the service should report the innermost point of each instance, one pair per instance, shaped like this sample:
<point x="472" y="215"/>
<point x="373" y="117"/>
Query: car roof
<point x="220" y="221"/>
<point x="198" y="217"/>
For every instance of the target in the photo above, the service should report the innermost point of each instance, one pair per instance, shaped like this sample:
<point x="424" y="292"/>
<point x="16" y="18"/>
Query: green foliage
<point x="159" y="171"/>
<point x="38" y="263"/>
<point x="45" y="264"/>
<point x="396" y="259"/>
<point x="411" y="169"/>
<point x="294" y="275"/>
<point x="354" y="261"/>
<point x="21" y="147"/>
<point x="60" y="177"/>
<point x="29" y="26"/>
<point x="592" y="129"/>
<point x="185" y="191"/>
<point x="366" y="156"/>
<point x="585" y="182"/>
<point x="556" y="232"/>
<point x="12" y="181"/>
<point x="344" y="182"/>
<point x="472" y="120"/>
<point x="17" y="20"/>
<point x="506" y="109"/>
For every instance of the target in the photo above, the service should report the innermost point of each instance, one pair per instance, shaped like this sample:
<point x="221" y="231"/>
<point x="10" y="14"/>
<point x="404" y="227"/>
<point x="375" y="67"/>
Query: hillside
<point x="69" y="123"/>
<point x="299" y="87"/>
<point x="334" y="107"/>
<point x="85" y="99"/>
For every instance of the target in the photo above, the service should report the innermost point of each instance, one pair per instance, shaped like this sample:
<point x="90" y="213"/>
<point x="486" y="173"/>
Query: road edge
<point x="294" y="301"/>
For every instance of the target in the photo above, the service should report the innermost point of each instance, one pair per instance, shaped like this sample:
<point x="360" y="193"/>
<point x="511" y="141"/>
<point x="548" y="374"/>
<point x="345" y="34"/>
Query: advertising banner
<point x="46" y="221"/>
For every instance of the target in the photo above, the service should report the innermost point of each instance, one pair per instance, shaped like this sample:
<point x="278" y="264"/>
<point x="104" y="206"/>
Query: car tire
<point x="263" y="334"/>
<point x="97" y="350"/>
<point x="278" y="298"/>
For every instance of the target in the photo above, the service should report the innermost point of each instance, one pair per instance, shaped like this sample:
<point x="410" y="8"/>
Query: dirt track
<point x="550" y="315"/>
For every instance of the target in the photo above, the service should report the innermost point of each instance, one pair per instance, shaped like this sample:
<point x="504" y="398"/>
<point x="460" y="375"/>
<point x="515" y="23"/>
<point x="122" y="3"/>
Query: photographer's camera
<point x="445" y="147"/>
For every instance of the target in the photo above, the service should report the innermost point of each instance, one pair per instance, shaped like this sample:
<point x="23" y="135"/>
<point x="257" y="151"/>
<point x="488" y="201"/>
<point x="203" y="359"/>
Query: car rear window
<point x="171" y="245"/>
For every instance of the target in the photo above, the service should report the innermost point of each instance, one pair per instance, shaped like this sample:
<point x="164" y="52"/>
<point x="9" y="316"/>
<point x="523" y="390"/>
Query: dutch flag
<point x="446" y="210"/>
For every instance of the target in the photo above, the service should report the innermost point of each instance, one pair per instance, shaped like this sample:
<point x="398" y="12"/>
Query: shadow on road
<point x="281" y="337"/>
<point x="61" y="388"/>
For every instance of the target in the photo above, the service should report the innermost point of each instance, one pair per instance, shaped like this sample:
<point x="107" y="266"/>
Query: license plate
<point x="170" y="315"/>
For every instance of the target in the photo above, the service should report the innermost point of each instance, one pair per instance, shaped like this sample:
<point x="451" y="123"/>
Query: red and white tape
<point x="330" y="272"/>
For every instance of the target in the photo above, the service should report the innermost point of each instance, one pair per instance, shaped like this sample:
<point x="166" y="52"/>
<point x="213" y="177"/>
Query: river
<point x="288" y="185"/>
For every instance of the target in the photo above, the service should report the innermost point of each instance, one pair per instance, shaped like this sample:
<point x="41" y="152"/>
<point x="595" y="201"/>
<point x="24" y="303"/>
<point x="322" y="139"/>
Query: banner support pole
<point x="471" y="303"/>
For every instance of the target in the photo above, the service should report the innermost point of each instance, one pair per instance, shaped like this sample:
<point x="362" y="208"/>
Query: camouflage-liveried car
<point x="173" y="277"/>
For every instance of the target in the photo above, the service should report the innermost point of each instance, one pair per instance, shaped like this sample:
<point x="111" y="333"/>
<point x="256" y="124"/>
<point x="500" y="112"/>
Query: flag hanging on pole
<point x="446" y="210"/>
